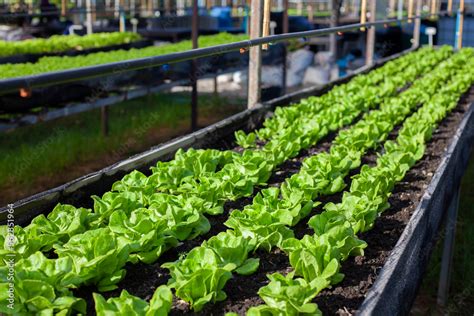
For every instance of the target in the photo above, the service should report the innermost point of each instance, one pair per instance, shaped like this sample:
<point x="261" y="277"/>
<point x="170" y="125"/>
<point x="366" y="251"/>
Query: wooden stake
<point x="266" y="20"/>
<point x="417" y="26"/>
<point x="461" y="24"/>
<point x="299" y="7"/>
<point x="363" y="14"/>
<point x="450" y="7"/>
<point x="433" y="8"/>
<point x="333" y="22"/>
<point x="89" y="16"/>
<point x="63" y="7"/>
<point x="370" y="44"/>
<point x="104" y="120"/>
<point x="194" y="79"/>
<point x="410" y="11"/>
<point x="285" y="50"/>
<point x="310" y="13"/>
<point x="255" y="69"/>
<point x="122" y="21"/>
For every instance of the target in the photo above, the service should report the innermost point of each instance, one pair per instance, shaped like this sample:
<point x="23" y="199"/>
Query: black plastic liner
<point x="78" y="192"/>
<point x="395" y="289"/>
<point x="33" y="58"/>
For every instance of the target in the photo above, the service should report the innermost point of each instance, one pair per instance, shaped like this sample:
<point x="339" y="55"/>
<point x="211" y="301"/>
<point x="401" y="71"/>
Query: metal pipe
<point x="64" y="76"/>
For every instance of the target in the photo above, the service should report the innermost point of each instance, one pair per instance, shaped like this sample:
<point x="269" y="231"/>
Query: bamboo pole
<point x="266" y="20"/>
<point x="450" y="7"/>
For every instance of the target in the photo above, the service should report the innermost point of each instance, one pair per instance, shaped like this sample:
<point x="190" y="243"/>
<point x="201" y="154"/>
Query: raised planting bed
<point x="33" y="58"/>
<point x="170" y="227"/>
<point x="61" y="95"/>
<point x="30" y="51"/>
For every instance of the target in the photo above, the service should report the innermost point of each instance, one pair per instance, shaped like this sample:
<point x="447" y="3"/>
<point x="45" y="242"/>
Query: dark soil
<point x="360" y="272"/>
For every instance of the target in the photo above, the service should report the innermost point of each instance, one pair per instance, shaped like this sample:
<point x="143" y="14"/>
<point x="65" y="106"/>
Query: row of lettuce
<point x="65" y="43"/>
<point x="266" y="222"/>
<point x="58" y="63"/>
<point x="316" y="258"/>
<point x="144" y="216"/>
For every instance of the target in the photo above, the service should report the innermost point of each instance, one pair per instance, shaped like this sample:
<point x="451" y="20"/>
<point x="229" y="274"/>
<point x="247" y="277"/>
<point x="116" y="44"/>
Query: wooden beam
<point x="285" y="29"/>
<point x="255" y="64"/>
<point x="267" y="8"/>
<point x="63" y="7"/>
<point x="410" y="11"/>
<point x="309" y="8"/>
<point x="461" y="24"/>
<point x="370" y="44"/>
<point x="333" y="23"/>
<point x="400" y="9"/>
<point x="417" y="26"/>
<point x="194" y="70"/>
<point x="89" y="16"/>
<point x="363" y="13"/>
<point x="433" y="8"/>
